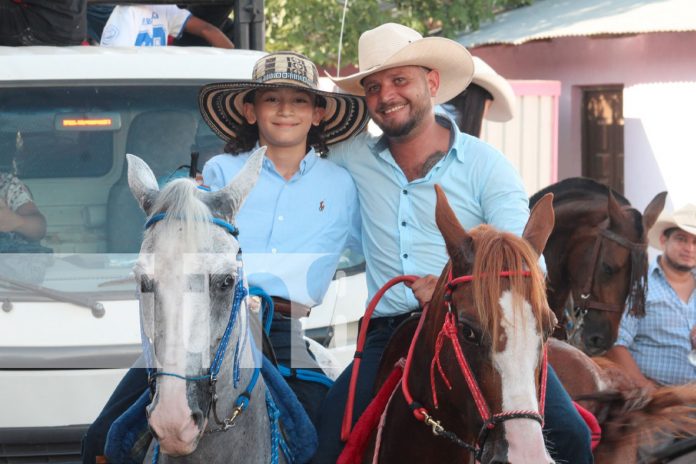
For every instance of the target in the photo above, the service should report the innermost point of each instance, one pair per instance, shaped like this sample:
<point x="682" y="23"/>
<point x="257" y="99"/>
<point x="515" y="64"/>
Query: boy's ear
<point x="250" y="113"/>
<point x="319" y="113"/>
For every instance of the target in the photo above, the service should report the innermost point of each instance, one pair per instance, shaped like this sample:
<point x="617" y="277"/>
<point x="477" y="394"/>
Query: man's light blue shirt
<point x="399" y="231"/>
<point x="660" y="342"/>
<point x="293" y="231"/>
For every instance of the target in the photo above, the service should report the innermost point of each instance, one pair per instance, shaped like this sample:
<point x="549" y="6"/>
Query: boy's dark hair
<point x="470" y="106"/>
<point x="248" y="134"/>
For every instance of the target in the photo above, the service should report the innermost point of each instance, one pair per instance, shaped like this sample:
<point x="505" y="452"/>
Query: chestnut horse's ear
<point x="653" y="210"/>
<point x="614" y="211"/>
<point x="457" y="240"/>
<point x="540" y="223"/>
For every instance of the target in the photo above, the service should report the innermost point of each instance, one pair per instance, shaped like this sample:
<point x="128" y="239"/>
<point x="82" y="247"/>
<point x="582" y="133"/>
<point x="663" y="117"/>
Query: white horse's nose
<point x="171" y="420"/>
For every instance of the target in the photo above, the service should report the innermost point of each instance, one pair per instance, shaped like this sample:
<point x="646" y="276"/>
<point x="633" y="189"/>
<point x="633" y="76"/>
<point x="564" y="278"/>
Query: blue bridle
<point x="240" y="293"/>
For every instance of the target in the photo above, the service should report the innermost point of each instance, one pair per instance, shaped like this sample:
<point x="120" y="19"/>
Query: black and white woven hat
<point x="222" y="104"/>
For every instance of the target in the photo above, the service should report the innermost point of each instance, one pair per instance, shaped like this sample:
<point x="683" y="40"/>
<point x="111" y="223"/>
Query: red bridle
<point x="449" y="332"/>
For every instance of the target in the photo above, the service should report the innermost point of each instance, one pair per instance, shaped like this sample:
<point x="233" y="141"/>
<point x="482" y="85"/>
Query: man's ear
<point x="250" y="113"/>
<point x="433" y="78"/>
<point x="319" y="113"/>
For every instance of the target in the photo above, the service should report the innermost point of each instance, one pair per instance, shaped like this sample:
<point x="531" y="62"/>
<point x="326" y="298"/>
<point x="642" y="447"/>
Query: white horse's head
<point x="188" y="272"/>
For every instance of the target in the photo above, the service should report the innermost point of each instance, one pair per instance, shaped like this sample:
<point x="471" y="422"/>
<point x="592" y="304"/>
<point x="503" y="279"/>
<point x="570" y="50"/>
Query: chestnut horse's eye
<point x="607" y="269"/>
<point x="468" y="334"/>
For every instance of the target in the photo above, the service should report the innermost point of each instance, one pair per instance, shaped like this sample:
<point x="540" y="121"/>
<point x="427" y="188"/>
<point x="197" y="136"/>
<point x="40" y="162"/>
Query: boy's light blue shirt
<point x="292" y="232"/>
<point x="399" y="231"/>
<point x="660" y="342"/>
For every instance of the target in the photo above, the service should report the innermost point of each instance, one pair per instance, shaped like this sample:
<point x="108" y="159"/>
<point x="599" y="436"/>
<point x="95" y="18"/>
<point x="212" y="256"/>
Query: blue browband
<point x="217" y="221"/>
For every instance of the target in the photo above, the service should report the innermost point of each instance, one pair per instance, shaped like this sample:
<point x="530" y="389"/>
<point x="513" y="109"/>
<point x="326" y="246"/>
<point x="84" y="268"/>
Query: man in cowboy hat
<point x="403" y="76"/>
<point x="660" y="349"/>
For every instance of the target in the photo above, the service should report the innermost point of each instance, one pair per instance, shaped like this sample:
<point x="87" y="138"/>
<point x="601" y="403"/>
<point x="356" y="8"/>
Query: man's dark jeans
<point x="567" y="436"/>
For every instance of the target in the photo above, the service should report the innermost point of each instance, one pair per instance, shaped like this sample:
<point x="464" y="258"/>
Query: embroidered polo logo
<point x="321" y="205"/>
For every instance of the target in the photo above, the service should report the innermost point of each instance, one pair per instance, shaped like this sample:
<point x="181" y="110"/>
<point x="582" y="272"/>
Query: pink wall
<point x="584" y="61"/>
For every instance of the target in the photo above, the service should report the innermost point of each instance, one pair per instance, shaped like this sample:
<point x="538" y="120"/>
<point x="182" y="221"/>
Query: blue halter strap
<point x="240" y="293"/>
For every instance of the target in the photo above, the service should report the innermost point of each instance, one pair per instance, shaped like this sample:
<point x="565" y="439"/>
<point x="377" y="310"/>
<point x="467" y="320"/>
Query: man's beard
<point x="405" y="128"/>
<point x="676" y="266"/>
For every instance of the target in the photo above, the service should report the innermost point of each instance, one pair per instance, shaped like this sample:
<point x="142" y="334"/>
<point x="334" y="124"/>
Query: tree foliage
<point x="313" y="27"/>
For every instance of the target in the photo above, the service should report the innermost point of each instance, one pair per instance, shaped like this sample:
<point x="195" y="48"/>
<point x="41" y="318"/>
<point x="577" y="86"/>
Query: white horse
<point x="209" y="402"/>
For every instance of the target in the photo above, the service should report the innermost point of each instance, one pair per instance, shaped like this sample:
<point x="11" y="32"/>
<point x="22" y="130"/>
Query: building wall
<point x="530" y="139"/>
<point x="658" y="72"/>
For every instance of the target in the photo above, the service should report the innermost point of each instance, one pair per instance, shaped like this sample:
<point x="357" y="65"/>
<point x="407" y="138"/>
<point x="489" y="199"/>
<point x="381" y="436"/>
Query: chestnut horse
<point x="472" y="382"/>
<point x="596" y="260"/>
<point x="630" y="417"/>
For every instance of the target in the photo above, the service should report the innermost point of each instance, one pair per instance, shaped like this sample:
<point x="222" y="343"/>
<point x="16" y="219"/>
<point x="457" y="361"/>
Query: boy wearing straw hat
<point x="660" y="349"/>
<point x="403" y="76"/>
<point x="299" y="217"/>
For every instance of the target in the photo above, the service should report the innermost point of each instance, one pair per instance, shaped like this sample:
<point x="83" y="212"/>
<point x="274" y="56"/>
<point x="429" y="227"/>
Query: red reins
<point x="348" y="412"/>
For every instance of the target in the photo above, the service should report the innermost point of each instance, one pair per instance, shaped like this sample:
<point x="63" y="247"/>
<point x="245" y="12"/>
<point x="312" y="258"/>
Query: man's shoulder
<point x="334" y="173"/>
<point x="355" y="147"/>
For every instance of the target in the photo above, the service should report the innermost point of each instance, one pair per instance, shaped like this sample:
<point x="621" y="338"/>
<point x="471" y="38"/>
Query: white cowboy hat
<point x="392" y="45"/>
<point x="502" y="107"/>
<point x="683" y="218"/>
<point x="222" y="104"/>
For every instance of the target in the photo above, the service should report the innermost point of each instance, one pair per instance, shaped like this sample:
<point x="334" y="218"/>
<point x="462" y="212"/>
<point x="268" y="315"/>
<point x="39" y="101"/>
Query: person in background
<point x="151" y="25"/>
<point x="19" y="215"/>
<point x="660" y="348"/>
<point x="403" y="76"/>
<point x="489" y="96"/>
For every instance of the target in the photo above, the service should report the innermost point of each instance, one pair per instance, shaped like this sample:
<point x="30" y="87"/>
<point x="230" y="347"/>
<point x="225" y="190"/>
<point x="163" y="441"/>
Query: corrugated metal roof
<point x="546" y="19"/>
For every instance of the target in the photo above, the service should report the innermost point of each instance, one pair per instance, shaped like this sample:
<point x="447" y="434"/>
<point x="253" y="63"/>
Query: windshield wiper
<point x="96" y="307"/>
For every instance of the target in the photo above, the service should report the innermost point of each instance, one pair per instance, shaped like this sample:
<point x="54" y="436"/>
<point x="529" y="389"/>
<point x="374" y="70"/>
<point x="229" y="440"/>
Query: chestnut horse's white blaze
<point x="516" y="364"/>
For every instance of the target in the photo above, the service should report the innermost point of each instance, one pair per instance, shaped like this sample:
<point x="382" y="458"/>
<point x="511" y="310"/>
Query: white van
<point x="69" y="325"/>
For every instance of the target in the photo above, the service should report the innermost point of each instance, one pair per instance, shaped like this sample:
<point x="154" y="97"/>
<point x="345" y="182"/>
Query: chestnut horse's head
<point x="609" y="259"/>
<point x="485" y="336"/>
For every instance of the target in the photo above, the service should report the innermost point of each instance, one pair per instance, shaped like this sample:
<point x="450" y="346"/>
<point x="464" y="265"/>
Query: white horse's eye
<point x="147" y="285"/>
<point x="222" y="282"/>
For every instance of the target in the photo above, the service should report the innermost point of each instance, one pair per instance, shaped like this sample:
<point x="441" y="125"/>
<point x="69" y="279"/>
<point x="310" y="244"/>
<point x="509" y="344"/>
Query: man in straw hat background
<point x="660" y="349"/>
<point x="299" y="217"/>
<point x="403" y="76"/>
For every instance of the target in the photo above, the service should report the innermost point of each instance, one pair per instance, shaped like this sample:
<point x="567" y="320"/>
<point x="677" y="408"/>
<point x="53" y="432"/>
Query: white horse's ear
<point x="142" y="182"/>
<point x="229" y="199"/>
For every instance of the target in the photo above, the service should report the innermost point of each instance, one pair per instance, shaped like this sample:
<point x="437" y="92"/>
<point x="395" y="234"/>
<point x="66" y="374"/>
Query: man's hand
<point x="423" y="288"/>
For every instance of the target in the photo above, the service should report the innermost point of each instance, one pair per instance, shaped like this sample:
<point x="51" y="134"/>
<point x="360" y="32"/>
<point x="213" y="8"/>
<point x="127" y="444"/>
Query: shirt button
<point x="404" y="191"/>
<point x="280" y="218"/>
<point x="403" y="223"/>
<point x="274" y="250"/>
<point x="405" y="255"/>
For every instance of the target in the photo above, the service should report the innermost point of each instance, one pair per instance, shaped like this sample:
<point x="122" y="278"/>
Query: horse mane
<point x="495" y="252"/>
<point x="180" y="200"/>
<point x="575" y="188"/>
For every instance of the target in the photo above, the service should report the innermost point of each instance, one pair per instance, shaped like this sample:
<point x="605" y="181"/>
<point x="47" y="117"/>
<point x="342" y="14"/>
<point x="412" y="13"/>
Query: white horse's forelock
<point x="180" y="201"/>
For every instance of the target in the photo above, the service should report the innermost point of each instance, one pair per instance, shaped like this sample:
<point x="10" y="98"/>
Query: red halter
<point x="449" y="332"/>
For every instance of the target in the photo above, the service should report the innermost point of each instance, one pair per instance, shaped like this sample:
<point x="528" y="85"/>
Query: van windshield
<point x="63" y="149"/>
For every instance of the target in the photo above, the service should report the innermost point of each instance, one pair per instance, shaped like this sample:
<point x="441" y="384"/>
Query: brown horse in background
<point x="630" y="417"/>
<point x="596" y="260"/>
<point x="472" y="382"/>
